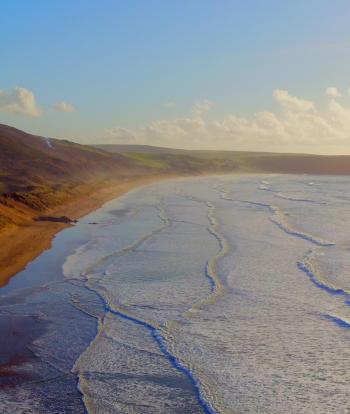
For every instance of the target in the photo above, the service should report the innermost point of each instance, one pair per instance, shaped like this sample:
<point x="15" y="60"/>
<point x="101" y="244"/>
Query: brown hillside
<point x="28" y="161"/>
<point x="37" y="174"/>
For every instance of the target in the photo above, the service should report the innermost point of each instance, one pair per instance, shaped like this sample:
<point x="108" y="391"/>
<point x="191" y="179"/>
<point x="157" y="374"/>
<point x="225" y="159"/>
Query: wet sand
<point x="22" y="244"/>
<point x="17" y="333"/>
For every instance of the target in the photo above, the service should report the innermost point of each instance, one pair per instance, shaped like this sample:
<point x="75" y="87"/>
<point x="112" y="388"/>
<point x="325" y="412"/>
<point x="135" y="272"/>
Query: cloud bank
<point x="20" y="101"/>
<point x="297" y="125"/>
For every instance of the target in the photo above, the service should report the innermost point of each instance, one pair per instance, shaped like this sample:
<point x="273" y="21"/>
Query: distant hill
<point x="29" y="161"/>
<point x="150" y="149"/>
<point x="45" y="182"/>
<point x="242" y="161"/>
<point x="39" y="173"/>
<point x="140" y="149"/>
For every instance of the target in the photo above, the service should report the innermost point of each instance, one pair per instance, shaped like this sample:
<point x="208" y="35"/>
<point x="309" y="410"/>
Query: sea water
<point x="203" y="295"/>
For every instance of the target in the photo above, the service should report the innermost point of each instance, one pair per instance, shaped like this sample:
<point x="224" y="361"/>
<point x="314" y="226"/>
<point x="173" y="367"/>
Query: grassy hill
<point x="44" y="180"/>
<point x="236" y="161"/>
<point x="30" y="162"/>
<point x="38" y="173"/>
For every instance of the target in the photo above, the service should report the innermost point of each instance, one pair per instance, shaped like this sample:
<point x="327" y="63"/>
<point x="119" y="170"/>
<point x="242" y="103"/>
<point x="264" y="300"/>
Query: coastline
<point x="22" y="360"/>
<point x="23" y="243"/>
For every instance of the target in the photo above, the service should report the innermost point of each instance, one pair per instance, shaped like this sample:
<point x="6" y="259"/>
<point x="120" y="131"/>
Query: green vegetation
<point x="38" y="176"/>
<point x="146" y="159"/>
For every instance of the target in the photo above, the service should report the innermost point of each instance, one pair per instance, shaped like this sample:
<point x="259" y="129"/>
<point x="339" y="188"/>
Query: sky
<point x="262" y="75"/>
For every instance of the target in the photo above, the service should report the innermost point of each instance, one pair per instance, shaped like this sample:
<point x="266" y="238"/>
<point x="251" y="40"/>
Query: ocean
<point x="223" y="294"/>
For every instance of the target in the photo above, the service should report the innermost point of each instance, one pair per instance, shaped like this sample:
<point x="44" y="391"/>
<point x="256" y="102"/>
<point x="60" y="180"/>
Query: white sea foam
<point x="216" y="297"/>
<point x="239" y="333"/>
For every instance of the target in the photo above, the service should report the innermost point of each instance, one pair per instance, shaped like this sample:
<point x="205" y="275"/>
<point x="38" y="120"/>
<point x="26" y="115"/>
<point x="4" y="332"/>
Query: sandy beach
<point x="21" y="244"/>
<point x="109" y="319"/>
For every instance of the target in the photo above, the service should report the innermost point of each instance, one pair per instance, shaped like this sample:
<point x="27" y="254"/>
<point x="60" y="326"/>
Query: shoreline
<point x="23" y="331"/>
<point x="26" y="242"/>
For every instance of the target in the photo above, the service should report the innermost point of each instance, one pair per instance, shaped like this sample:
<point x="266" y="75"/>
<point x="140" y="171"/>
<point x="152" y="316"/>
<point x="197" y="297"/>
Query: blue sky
<point x="126" y="67"/>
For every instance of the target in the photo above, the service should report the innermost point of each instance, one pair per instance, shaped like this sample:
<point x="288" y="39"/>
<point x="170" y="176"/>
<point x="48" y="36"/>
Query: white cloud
<point x="333" y="92"/>
<point x="299" y="126"/>
<point x="201" y="107"/>
<point x="20" y="101"/>
<point x="292" y="103"/>
<point x="63" y="106"/>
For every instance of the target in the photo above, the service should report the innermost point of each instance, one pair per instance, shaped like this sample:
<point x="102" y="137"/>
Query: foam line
<point x="175" y="362"/>
<point x="342" y="323"/>
<point x="166" y="223"/>
<point x="266" y="188"/>
<point x="210" y="277"/>
<point x="297" y="233"/>
<point x="216" y="286"/>
<point x="278" y="219"/>
<point x="159" y="339"/>
<point x="156" y="331"/>
<point x="306" y="266"/>
<point x="303" y="200"/>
